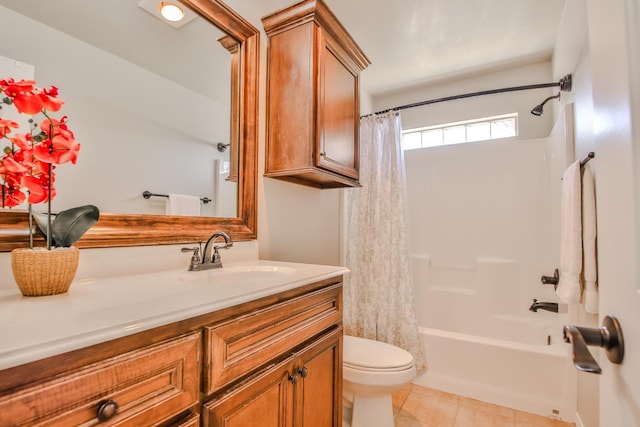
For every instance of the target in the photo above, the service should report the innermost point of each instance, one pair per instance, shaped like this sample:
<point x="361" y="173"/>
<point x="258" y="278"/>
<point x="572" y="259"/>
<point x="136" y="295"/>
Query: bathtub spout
<point x="549" y="306"/>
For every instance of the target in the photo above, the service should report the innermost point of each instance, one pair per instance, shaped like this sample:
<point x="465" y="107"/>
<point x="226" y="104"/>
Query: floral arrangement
<point x="29" y="159"/>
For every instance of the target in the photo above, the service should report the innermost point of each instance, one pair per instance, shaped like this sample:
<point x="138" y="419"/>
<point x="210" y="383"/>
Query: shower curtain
<point x="378" y="293"/>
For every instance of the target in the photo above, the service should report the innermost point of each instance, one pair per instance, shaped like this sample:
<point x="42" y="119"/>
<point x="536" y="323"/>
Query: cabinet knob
<point x="323" y="154"/>
<point x="107" y="409"/>
<point x="293" y="378"/>
<point x="303" y="372"/>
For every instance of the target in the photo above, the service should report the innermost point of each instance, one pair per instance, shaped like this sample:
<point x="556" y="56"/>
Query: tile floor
<point x="416" y="406"/>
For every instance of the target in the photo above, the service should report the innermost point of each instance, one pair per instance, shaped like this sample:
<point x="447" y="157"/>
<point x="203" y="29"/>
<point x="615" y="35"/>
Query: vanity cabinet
<point x="293" y="351"/>
<point x="313" y="97"/>
<point x="302" y="390"/>
<point x="276" y="360"/>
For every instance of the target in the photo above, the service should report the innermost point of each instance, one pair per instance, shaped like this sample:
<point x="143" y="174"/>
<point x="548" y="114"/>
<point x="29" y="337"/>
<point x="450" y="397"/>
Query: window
<point x="460" y="132"/>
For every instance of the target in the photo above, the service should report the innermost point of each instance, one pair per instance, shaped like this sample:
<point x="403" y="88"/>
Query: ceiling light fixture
<point x="170" y="11"/>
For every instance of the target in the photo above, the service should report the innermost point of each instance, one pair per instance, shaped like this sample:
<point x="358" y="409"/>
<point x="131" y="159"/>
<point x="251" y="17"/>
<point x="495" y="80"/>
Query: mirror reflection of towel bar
<point x="148" y="195"/>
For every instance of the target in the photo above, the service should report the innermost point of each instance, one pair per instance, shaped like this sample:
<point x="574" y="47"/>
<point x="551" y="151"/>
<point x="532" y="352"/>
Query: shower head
<point x="537" y="110"/>
<point x="565" y="84"/>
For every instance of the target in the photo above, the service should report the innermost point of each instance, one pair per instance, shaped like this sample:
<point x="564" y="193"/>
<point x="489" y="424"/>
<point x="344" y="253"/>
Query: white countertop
<point x="95" y="311"/>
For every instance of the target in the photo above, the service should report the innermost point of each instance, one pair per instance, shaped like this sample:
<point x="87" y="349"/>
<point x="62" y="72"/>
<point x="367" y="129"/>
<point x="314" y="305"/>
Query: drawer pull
<point x="293" y="378"/>
<point x="107" y="409"/>
<point x="303" y="372"/>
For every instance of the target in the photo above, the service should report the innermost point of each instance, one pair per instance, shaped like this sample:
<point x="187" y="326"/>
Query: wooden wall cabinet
<point x="275" y="361"/>
<point x="313" y="97"/>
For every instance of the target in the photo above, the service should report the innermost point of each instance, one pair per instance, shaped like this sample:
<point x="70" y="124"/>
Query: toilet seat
<point x="374" y="356"/>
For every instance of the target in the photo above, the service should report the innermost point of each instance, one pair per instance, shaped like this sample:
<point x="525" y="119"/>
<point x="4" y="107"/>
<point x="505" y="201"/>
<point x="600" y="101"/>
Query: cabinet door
<point x="338" y="109"/>
<point x="318" y="391"/>
<point x="265" y="401"/>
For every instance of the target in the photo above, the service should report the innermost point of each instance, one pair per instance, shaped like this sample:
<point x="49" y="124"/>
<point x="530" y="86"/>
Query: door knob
<point x="608" y="336"/>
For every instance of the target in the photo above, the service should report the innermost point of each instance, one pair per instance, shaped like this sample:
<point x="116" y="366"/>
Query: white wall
<point x="482" y="213"/>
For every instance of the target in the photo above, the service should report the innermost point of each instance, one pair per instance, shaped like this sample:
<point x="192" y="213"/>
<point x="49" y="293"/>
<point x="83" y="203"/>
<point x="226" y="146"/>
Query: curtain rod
<point x="564" y="84"/>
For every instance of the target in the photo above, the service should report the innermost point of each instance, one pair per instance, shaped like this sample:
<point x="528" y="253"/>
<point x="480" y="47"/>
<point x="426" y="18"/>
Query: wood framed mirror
<point x="114" y="230"/>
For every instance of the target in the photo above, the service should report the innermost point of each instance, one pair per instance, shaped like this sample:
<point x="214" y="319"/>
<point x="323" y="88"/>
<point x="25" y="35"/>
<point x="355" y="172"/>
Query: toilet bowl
<point x="372" y="372"/>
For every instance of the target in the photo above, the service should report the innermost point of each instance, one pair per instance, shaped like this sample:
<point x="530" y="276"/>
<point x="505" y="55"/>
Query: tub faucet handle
<point x="551" y="280"/>
<point x="608" y="336"/>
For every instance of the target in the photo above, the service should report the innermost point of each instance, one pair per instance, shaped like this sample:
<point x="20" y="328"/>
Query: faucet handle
<point x="551" y="280"/>
<point x="228" y="243"/>
<point x="195" y="258"/>
<point x="195" y="250"/>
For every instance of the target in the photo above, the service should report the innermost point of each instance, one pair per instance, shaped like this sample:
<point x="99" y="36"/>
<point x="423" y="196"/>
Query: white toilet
<point x="372" y="372"/>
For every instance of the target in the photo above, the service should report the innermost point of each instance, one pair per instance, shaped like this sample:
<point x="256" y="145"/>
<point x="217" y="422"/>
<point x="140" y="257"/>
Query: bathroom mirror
<point x="241" y="41"/>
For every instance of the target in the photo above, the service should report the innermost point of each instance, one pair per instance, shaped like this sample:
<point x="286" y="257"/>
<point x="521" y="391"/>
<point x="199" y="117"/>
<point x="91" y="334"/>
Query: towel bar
<point x="588" y="157"/>
<point x="148" y="195"/>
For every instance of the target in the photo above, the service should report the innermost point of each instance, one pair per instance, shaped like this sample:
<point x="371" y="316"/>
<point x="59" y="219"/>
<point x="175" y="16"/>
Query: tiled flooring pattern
<point x="416" y="406"/>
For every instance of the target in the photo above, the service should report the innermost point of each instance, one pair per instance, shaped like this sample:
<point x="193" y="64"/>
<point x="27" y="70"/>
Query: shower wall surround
<point x="484" y="225"/>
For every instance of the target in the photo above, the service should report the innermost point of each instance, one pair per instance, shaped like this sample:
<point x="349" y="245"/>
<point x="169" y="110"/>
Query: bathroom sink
<point x="242" y="274"/>
<point x="258" y="269"/>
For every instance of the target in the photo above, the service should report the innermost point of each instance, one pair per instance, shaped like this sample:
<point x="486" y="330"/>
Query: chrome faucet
<point x="209" y="260"/>
<point x="214" y="259"/>
<point x="549" y="306"/>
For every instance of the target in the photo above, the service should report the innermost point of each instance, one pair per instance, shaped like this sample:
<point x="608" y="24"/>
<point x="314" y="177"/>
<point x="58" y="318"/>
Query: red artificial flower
<point x="12" y="196"/>
<point x="6" y="125"/>
<point x="9" y="164"/>
<point x="59" y="148"/>
<point x="22" y="140"/>
<point x="10" y="86"/>
<point x="50" y="99"/>
<point x="38" y="188"/>
<point x="65" y="149"/>
<point x="24" y="97"/>
<point x="25" y="158"/>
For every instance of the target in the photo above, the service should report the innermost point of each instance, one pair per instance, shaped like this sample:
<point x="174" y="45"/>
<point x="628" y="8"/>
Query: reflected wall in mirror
<point x="183" y="128"/>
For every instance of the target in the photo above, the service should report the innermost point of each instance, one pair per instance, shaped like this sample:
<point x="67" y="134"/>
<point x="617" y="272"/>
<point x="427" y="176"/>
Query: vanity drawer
<point x="149" y="385"/>
<point x="241" y="345"/>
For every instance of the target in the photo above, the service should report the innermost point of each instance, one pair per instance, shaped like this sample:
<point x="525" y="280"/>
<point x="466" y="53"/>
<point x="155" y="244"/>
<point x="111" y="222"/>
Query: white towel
<point x="570" y="235"/>
<point x="182" y="204"/>
<point x="589" y="232"/>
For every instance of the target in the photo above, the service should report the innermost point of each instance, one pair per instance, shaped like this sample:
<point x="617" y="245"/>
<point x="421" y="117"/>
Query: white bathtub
<point x="539" y="379"/>
<point x="481" y="341"/>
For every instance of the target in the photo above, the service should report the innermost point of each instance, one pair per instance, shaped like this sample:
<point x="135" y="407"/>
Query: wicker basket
<point x="40" y="272"/>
